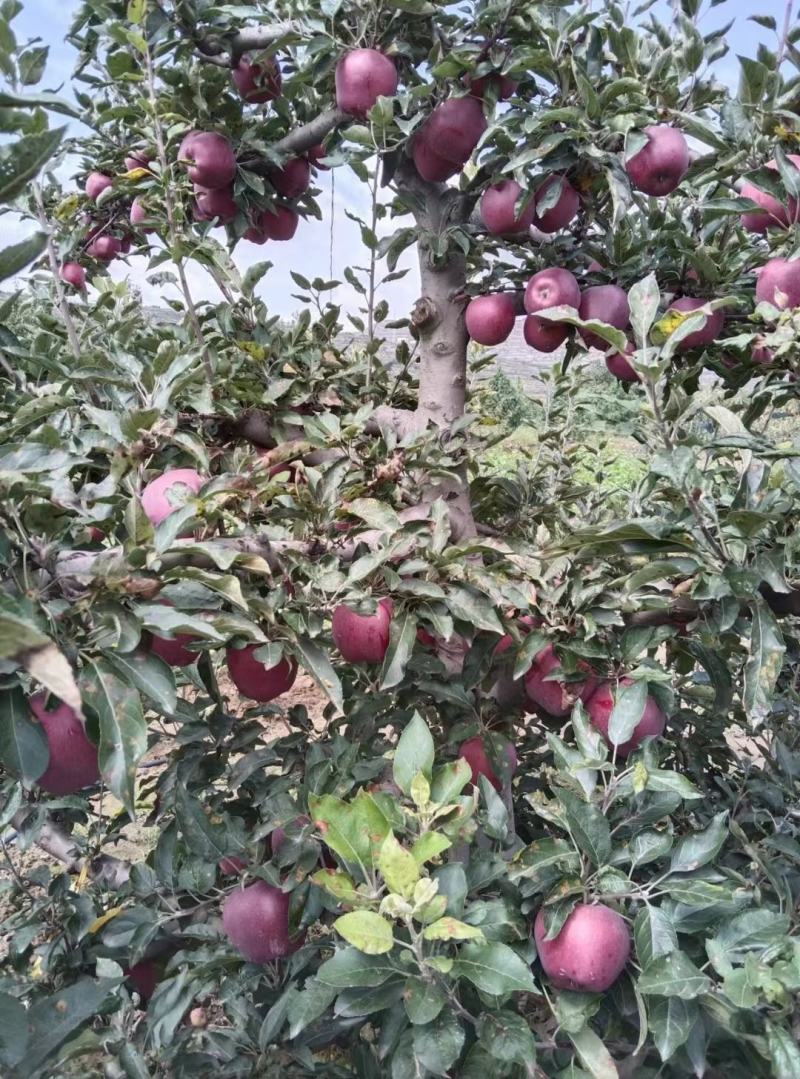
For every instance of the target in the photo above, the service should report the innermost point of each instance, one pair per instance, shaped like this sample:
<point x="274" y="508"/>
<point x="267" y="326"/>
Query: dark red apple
<point x="139" y="159"/>
<point x="474" y="753"/>
<point x="619" y="366"/>
<point x="256" y="922"/>
<point x="604" y="303"/>
<point x="73" y="758"/>
<point x="490" y="319"/>
<point x="169" y="492"/>
<point x="256" y="681"/>
<point x="144" y="976"/>
<point x="774" y="214"/>
<point x="762" y="354"/>
<point x="702" y="337"/>
<point x="504" y="86"/>
<point x="174" y="651"/>
<point x="73" y="274"/>
<point x="498" y="209"/>
<point x="215" y="204"/>
<point x="96" y="184"/>
<point x="259" y="82"/>
<point x="564" y="210"/>
<point x="362" y="76"/>
<point x="554" y="697"/>
<point x="362" y="638"/>
<point x="542" y="335"/>
<point x="551" y="288"/>
<point x="600" y="706"/>
<point x="104" y="248"/>
<point x="280" y="224"/>
<point x="589" y="953"/>
<point x="293" y="180"/>
<point x="232" y="865"/>
<point x="659" y="167"/>
<point x="209" y="159"/>
<point x="454" y="128"/>
<point x="429" y="164"/>
<point x="779" y="283"/>
<point x="315" y="156"/>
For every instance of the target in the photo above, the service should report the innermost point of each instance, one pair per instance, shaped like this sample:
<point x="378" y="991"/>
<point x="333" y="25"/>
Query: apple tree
<point x="546" y="821"/>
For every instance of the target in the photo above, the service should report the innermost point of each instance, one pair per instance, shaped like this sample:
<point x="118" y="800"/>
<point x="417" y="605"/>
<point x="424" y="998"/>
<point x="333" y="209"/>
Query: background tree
<point x="549" y="823"/>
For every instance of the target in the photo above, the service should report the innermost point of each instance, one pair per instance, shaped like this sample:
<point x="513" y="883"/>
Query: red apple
<point x="362" y="76"/>
<point x="474" y="753"/>
<point x="505" y="87"/>
<point x="96" y="184"/>
<point x="293" y="180"/>
<point x="705" y="336"/>
<point x="590" y="951"/>
<point x="256" y="921"/>
<point x="556" y="698"/>
<point x="140" y="217"/>
<point x="620" y="368"/>
<point x="73" y="758"/>
<point x="174" y="651"/>
<point x="454" y="128"/>
<point x="209" y="159"/>
<point x="559" y="215"/>
<point x="255" y="680"/>
<point x="773" y="214"/>
<point x="779" y="283"/>
<point x="73" y="274"/>
<point x="659" y="167"/>
<point x="761" y="354"/>
<point x="279" y="224"/>
<point x="139" y="159"/>
<point x="232" y="865"/>
<point x="490" y="319"/>
<point x="315" y="156"/>
<point x="542" y="335"/>
<point x="429" y="164"/>
<point x="144" y="977"/>
<point x="498" y="209"/>
<point x="551" y="288"/>
<point x="104" y="247"/>
<point x="600" y="706"/>
<point x="259" y="82"/>
<point x="169" y="492"/>
<point x="525" y="622"/>
<point x="362" y="638"/>
<point x="604" y="303"/>
<point x="215" y="204"/>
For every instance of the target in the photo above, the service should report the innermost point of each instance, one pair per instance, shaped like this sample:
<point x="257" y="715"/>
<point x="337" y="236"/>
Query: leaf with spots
<point x="123" y="730"/>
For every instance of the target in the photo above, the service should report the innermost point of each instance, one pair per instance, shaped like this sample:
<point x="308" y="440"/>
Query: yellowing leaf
<point x="430" y="845"/>
<point x="366" y="931"/>
<point x="137" y="174"/>
<point x="398" y="867"/>
<point x="98" y="923"/>
<point x="452" y="929"/>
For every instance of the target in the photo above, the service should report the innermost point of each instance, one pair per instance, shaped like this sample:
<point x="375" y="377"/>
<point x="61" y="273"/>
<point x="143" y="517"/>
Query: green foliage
<point x="643" y="533"/>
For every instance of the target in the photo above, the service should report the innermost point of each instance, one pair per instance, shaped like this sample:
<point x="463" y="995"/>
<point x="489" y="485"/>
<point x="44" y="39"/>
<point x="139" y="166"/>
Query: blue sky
<point x="309" y="252"/>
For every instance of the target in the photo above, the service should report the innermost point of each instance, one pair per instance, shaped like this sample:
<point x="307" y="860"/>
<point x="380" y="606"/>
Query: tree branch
<point x="307" y="135"/>
<point x="104" y="869"/>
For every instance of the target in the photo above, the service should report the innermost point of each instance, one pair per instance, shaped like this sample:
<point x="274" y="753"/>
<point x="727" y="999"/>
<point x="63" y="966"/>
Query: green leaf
<point x="17" y="256"/>
<point x="123" y="729"/>
<point x="629" y="705"/>
<point x="414" y="753"/>
<point x="654" y="935"/>
<point x="13" y="1030"/>
<point x="588" y="827"/>
<point x="784" y="1053"/>
<point x="438" y="1044"/>
<point x="423" y="1000"/>
<point x="452" y="929"/>
<point x="494" y="968"/>
<point x="51" y="102"/>
<point x="506" y="1037"/>
<point x="52" y="1020"/>
<point x="313" y="1001"/>
<point x="700" y="848"/>
<point x="375" y="514"/>
<point x="337" y="884"/>
<point x="23" y="745"/>
<point x="673" y="975"/>
<point x="764" y="663"/>
<point x="450" y="780"/>
<point x="429" y="846"/>
<point x="151" y="676"/>
<point x="593" y="1054"/>
<point x="316" y="662"/>
<point x="367" y="931"/>
<point x="354" y="830"/>
<point x="208" y="838"/>
<point x="671" y="1021"/>
<point x="649" y="846"/>
<point x="398" y="867"/>
<point x="403" y="634"/>
<point x="352" y="968"/>
<point x="22" y="160"/>
<point x="469" y="605"/>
